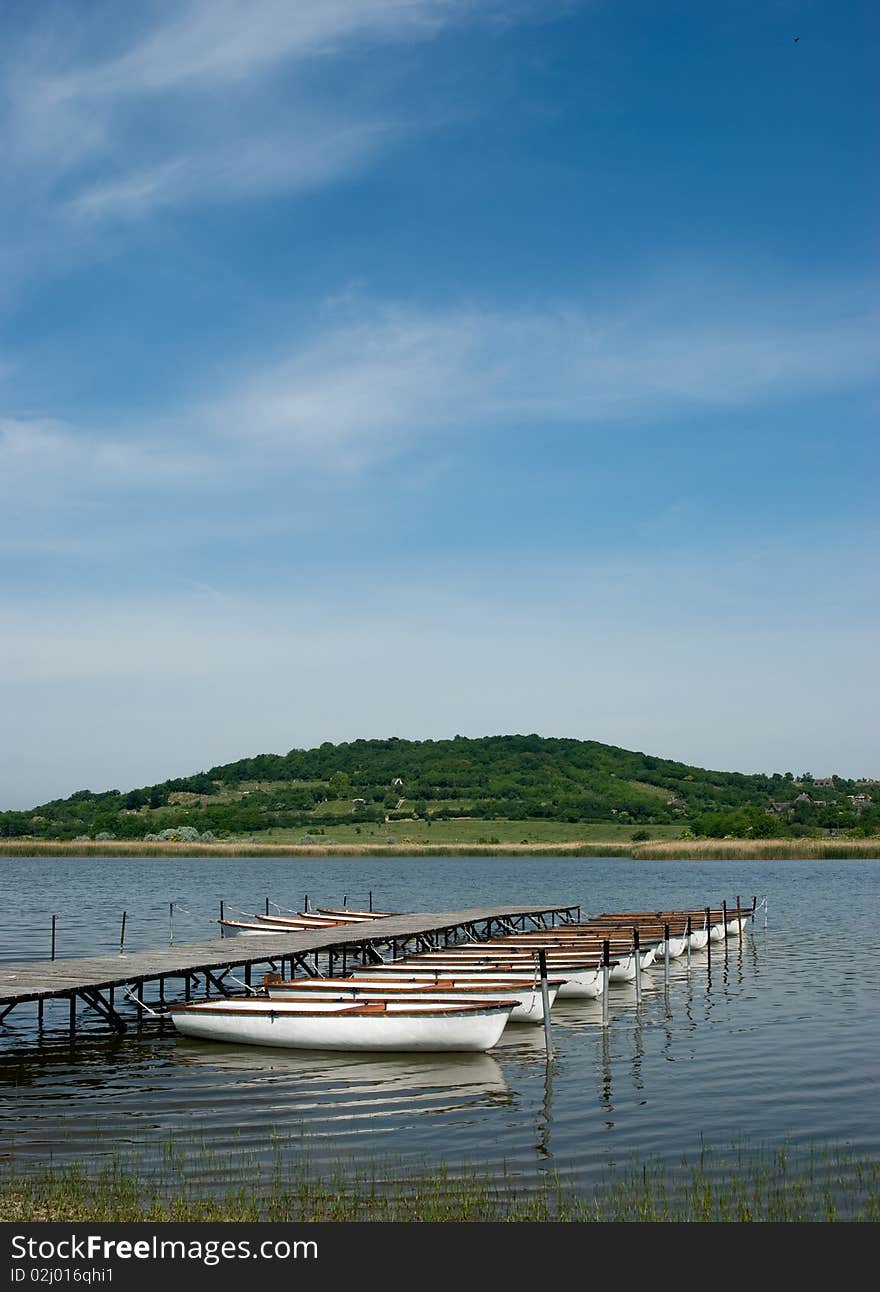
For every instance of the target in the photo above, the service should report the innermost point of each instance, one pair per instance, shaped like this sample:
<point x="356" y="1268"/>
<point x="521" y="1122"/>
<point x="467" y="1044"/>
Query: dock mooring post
<point x="306" y="904"/>
<point x="708" y="939"/>
<point x="690" y="929"/>
<point x="54" y="923"/>
<point x="739" y="922"/>
<point x="666" y="954"/>
<point x="371" y="899"/>
<point x="606" y="974"/>
<point x="171" y="924"/>
<point x="637" y="951"/>
<point x="724" y="914"/>
<point x="267" y="906"/>
<point x="122" y="933"/>
<point x="545" y="1000"/>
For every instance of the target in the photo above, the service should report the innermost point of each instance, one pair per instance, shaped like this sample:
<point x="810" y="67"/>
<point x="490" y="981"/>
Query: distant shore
<point x="651" y="850"/>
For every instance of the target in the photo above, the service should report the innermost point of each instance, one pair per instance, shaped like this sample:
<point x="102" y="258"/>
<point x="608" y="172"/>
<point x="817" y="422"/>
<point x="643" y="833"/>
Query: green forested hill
<point x="494" y="778"/>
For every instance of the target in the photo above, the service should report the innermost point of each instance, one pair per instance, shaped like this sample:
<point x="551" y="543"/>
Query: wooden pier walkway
<point x="205" y="966"/>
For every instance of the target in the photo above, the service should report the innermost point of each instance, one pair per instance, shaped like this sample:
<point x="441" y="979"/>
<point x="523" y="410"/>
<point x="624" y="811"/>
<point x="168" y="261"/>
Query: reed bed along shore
<point x="755" y="849"/>
<point x="656" y="850"/>
<point x="136" y="848"/>
<point x="738" y="1186"/>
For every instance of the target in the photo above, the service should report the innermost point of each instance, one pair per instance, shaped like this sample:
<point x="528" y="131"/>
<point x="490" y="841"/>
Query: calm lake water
<point x="780" y="1044"/>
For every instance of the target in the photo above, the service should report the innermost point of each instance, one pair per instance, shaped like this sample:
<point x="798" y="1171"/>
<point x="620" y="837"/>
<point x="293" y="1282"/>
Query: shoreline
<point x="746" y="1185"/>
<point x="656" y="850"/>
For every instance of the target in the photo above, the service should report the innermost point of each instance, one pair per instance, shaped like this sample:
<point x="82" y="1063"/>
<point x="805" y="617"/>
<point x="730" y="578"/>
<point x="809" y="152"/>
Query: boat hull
<point x="323" y="1029"/>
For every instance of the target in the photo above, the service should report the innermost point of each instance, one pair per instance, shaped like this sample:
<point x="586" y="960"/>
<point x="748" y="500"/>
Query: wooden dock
<point x="206" y="966"/>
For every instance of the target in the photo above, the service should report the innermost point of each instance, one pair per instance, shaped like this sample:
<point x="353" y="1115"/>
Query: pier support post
<point x="739" y="925"/>
<point x="638" y="955"/>
<point x="606" y="975"/>
<point x="122" y="933"/>
<point x="545" y="1000"/>
<point x="666" y="956"/>
<point x="690" y="929"/>
<point x="708" y="939"/>
<point x="72" y="1015"/>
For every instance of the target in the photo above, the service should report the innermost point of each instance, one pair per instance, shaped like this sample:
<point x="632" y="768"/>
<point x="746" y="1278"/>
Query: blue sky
<point x="414" y="367"/>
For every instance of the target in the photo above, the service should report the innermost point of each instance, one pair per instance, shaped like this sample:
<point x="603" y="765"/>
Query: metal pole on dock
<point x="54" y="922"/>
<point x="122" y="933"/>
<point x="545" y="1000"/>
<point x="724" y="913"/>
<point x="708" y="939"/>
<point x="690" y="929"/>
<point x="606" y="974"/>
<point x="739" y="923"/>
<point x="171" y="924"/>
<point x="638" y="955"/>
<point x="306" y="904"/>
<point x="666" y="955"/>
<point x="222" y="930"/>
<point x="267" y="906"/>
<point x="371" y="899"/>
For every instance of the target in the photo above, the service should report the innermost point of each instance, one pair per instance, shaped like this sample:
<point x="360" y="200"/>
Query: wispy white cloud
<point x="383" y="375"/>
<point x="270" y="163"/>
<point x="377" y="379"/>
<point x="107" y="118"/>
<point x="51" y="459"/>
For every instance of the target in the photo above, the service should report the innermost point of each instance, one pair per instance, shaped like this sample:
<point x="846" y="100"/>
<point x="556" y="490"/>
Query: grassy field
<point x="474" y="831"/>
<point x="395" y="841"/>
<point x="735" y="1186"/>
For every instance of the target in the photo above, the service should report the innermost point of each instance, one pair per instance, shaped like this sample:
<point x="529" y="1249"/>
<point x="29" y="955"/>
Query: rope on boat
<point x="253" y="991"/>
<point x="140" y="1004"/>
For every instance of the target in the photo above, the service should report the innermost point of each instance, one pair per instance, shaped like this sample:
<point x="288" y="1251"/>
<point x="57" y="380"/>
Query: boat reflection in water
<point x="350" y="1085"/>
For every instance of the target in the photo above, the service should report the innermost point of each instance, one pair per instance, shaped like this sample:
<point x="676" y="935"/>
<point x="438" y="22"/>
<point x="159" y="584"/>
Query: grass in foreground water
<point x="768" y="1185"/>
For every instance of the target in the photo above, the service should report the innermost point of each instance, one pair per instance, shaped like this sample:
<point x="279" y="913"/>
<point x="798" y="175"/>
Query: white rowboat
<point x="580" y="983"/>
<point x="331" y="1025"/>
<point x="527" y="1003"/>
